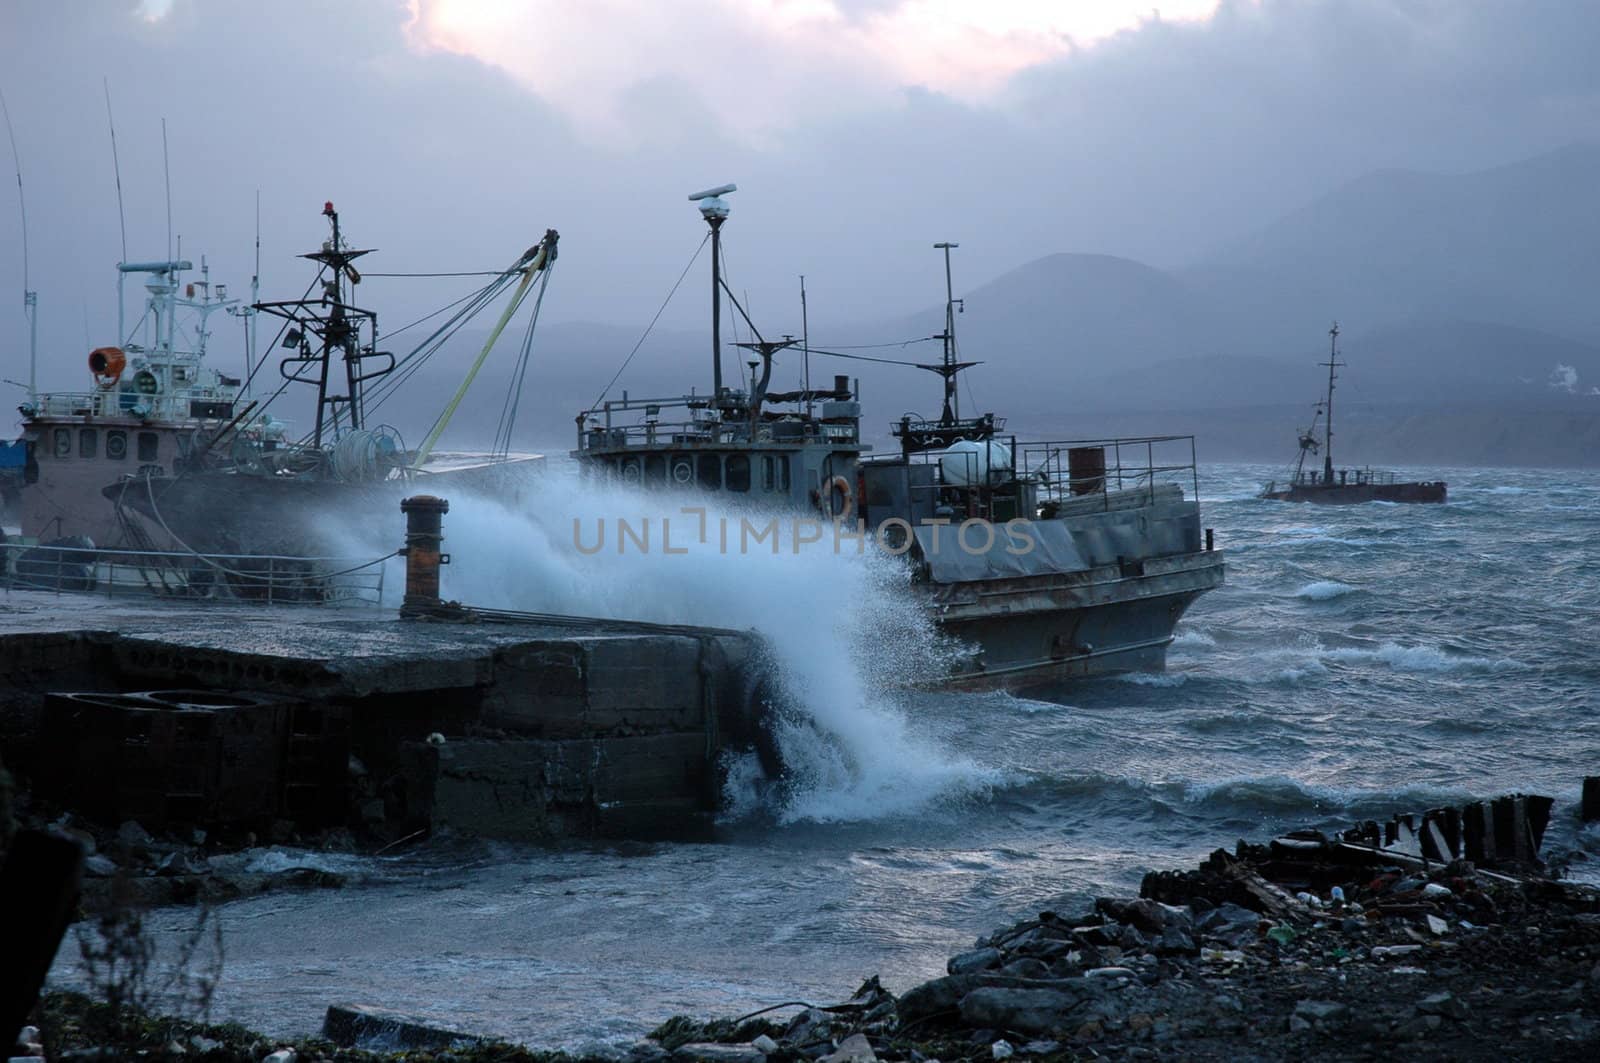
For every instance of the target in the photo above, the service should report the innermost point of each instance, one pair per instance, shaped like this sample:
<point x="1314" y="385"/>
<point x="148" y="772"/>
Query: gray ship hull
<point x="1036" y="631"/>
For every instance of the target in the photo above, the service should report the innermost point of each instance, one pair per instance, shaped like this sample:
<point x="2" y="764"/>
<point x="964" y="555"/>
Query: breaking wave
<point x="1324" y="590"/>
<point x="1422" y="659"/>
<point x="1193" y="638"/>
<point x="841" y="625"/>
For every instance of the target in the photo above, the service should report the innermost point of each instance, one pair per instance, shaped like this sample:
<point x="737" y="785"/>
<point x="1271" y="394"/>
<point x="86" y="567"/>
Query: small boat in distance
<point x="1346" y="486"/>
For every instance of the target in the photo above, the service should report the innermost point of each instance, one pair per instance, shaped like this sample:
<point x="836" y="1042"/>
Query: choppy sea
<point x="1361" y="660"/>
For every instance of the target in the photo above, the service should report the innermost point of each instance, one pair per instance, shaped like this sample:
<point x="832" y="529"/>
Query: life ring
<point x="682" y="471"/>
<point x="107" y="364"/>
<point x="838" y="491"/>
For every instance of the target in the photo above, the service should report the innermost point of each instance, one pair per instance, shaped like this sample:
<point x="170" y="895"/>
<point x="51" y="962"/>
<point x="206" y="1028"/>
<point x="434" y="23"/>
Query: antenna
<point x="255" y="297"/>
<point x="715" y="212"/>
<point x="952" y="399"/>
<point x="166" y="168"/>
<point x="805" y="342"/>
<point x="1332" y="363"/>
<point x="713" y="193"/>
<point x="30" y="298"/>
<point x="116" y="166"/>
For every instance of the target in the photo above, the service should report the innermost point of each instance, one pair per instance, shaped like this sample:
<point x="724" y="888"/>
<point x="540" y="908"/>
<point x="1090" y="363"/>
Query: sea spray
<point x="844" y="628"/>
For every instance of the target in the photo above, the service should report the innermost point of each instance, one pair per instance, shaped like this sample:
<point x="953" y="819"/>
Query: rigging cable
<point x="872" y="346"/>
<point x="408" y="366"/>
<point x="661" y="309"/>
<point x="866" y="358"/>
<point x="468" y="273"/>
<point x="508" y="413"/>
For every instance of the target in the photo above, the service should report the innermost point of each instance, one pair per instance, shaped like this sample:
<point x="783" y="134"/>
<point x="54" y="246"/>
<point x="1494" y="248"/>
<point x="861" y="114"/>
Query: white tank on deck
<point x="968" y="463"/>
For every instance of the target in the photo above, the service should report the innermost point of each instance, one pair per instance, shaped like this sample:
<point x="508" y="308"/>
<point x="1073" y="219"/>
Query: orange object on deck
<point x="107" y="364"/>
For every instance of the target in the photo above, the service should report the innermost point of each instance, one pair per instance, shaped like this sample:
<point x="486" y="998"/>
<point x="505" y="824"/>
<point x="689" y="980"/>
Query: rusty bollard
<point x="424" y="533"/>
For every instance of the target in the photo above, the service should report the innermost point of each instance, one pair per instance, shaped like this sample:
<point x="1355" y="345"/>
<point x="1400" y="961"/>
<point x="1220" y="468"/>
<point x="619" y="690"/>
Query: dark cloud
<point x="1160" y="144"/>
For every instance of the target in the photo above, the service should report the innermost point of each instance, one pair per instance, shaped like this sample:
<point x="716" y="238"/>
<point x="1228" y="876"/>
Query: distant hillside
<point x="1515" y="244"/>
<point x="1467" y="301"/>
<point x="1070" y="311"/>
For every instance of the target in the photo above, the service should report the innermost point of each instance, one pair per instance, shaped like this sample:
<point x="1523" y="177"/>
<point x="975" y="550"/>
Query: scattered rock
<point x="766" y="1045"/>
<point x="715" y="1053"/>
<point x="1023" y="1010"/>
<point x="853" y="1049"/>
<point x="1443" y="1003"/>
<point x="976" y="960"/>
<point x="99" y="866"/>
<point x="132" y="834"/>
<point x="1321" y="1010"/>
<point x="931" y="998"/>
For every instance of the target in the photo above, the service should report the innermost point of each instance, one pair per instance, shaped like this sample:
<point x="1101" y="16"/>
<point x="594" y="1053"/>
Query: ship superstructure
<point x="1049" y="559"/>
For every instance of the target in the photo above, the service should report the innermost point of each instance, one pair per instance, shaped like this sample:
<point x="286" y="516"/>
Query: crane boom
<point x="535" y="261"/>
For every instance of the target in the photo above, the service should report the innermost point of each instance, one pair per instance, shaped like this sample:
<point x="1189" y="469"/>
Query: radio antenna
<point x="250" y="349"/>
<point x="116" y="167"/>
<point x="30" y="298"/>
<point x="166" y="168"/>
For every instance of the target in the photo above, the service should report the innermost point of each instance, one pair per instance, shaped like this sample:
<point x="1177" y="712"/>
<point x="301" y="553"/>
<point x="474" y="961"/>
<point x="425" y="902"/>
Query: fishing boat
<point x="153" y="399"/>
<point x="1049" y="560"/>
<point x="1329" y="486"/>
<point x="236" y="484"/>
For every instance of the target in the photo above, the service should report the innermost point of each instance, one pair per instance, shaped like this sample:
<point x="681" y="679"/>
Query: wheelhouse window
<point x="775" y="473"/>
<point x="682" y="470"/>
<point x="711" y="472"/>
<point x="88" y="442"/>
<point x="149" y="447"/>
<point x="655" y="470"/>
<point x="737" y="475"/>
<point x="117" y="444"/>
<point x="61" y="442"/>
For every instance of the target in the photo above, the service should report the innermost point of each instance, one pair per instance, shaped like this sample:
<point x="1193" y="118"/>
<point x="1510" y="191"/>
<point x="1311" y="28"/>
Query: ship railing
<point x="1363" y="477"/>
<point x="111" y="402"/>
<point x="268" y="579"/>
<point x="1064" y="476"/>
<point x="1080" y="470"/>
<point x="601" y="429"/>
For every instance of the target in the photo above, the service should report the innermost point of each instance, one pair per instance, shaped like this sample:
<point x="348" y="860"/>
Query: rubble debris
<point x="379" y="1029"/>
<point x="1309" y="946"/>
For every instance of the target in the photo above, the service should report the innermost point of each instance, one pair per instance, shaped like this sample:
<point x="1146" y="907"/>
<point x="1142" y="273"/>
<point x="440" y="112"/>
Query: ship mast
<point x="715" y="211"/>
<point x="337" y="327"/>
<point x="1331" y="363"/>
<point x="948" y="368"/>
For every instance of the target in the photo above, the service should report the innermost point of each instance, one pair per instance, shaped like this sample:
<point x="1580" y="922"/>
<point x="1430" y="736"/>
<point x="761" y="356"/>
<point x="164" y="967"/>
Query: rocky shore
<point x="1350" y="947"/>
<point x="1448" y="962"/>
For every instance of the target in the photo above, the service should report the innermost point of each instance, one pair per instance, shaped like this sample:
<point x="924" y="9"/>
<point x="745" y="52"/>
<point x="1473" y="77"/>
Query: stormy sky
<point x="452" y="133"/>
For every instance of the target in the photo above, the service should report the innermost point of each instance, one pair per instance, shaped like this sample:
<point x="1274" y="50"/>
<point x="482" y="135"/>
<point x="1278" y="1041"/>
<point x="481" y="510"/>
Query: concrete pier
<point x="515" y="730"/>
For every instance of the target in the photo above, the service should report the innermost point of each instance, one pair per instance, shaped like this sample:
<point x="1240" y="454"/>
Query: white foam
<point x="843" y="624"/>
<point x="1154" y="679"/>
<point x="1422" y="659"/>
<point x="1193" y="639"/>
<point x="1324" y="590"/>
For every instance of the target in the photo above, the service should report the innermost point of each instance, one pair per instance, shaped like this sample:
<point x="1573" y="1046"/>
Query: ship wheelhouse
<point x="807" y="456"/>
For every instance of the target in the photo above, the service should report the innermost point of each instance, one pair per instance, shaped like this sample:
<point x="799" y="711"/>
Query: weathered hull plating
<point x="296" y="516"/>
<point x="1035" y="631"/>
<point x="1352" y="494"/>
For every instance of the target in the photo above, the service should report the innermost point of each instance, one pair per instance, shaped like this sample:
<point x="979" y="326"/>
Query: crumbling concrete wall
<point x="545" y="734"/>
